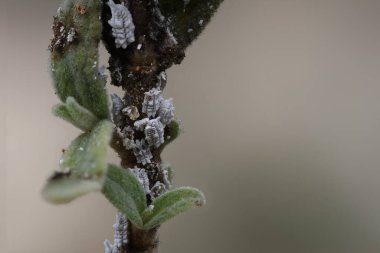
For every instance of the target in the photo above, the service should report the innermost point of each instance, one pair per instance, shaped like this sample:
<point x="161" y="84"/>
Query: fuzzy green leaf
<point x="75" y="64"/>
<point x="188" y="18"/>
<point x="171" y="204"/>
<point x="126" y="193"/>
<point x="76" y="114"/>
<point x="87" y="154"/>
<point x="83" y="164"/>
<point x="94" y="159"/>
<point x="73" y="155"/>
<point x="64" y="190"/>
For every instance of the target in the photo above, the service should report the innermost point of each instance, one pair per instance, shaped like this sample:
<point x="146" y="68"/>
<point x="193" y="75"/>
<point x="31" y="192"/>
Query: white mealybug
<point x="165" y="178"/>
<point x="150" y="208"/>
<point x="120" y="228"/>
<point x="122" y="25"/>
<point x="59" y="11"/>
<point x="128" y="136"/>
<point x="154" y="132"/>
<point x="142" y="152"/>
<point x="166" y="111"/>
<point x="162" y="79"/>
<point x="117" y="106"/>
<point x="140" y="124"/>
<point x="142" y="176"/>
<point x="171" y="37"/>
<point x="109" y="248"/>
<point x="157" y="190"/>
<point x="152" y="101"/>
<point x="120" y="236"/>
<point x="71" y="35"/>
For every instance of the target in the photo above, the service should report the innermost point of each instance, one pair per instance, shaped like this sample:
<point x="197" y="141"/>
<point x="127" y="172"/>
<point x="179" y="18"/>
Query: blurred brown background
<point x="280" y="104"/>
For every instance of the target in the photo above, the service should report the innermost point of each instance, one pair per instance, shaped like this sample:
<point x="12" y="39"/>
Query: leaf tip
<point x="64" y="190"/>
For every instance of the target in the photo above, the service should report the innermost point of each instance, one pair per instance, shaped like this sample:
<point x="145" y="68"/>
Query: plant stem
<point x="141" y="240"/>
<point x="138" y="69"/>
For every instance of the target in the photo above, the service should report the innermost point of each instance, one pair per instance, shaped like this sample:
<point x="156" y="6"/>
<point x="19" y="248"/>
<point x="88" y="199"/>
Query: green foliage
<point x="188" y="18"/>
<point x="75" y="114"/>
<point x="94" y="158"/>
<point x="84" y="165"/>
<point x="73" y="155"/>
<point x="75" y="72"/>
<point x="88" y="152"/>
<point x="171" y="204"/>
<point x="84" y="104"/>
<point x="64" y="190"/>
<point x="126" y="193"/>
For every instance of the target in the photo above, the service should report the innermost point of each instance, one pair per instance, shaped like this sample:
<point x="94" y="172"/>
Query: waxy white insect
<point x="166" y="111"/>
<point x="122" y="25"/>
<point x="128" y="138"/>
<point x="152" y="101"/>
<point x="71" y="35"/>
<point x="154" y="132"/>
<point x="157" y="190"/>
<point x="140" y="124"/>
<point x="142" y="176"/>
<point x="120" y="236"/>
<point x="142" y="152"/>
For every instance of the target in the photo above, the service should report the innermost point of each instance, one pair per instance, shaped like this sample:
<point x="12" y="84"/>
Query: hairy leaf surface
<point x="83" y="166"/>
<point x="75" y="65"/>
<point x="62" y="191"/>
<point x="125" y="192"/>
<point x="77" y="115"/>
<point x="171" y="204"/>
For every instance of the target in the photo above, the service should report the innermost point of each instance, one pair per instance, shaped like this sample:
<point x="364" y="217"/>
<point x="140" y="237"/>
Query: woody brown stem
<point x="137" y="70"/>
<point x="141" y="241"/>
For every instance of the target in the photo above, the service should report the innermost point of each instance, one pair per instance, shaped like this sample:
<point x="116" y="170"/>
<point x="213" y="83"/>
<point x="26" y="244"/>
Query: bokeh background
<point x="280" y="104"/>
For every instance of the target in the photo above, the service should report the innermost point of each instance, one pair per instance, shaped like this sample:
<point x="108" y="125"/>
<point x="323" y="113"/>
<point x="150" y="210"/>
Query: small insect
<point x="166" y="111"/>
<point x="71" y="35"/>
<point x="165" y="178"/>
<point x="120" y="235"/>
<point x="142" y="176"/>
<point x="142" y="152"/>
<point x="157" y="190"/>
<point x="128" y="140"/>
<point x="162" y="79"/>
<point x="122" y="25"/>
<point x="117" y="107"/>
<point x="154" y="133"/>
<point x="152" y="101"/>
<point x="140" y="124"/>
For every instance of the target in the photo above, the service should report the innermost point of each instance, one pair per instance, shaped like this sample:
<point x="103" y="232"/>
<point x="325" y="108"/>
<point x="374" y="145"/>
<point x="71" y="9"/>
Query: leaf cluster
<point x="84" y="104"/>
